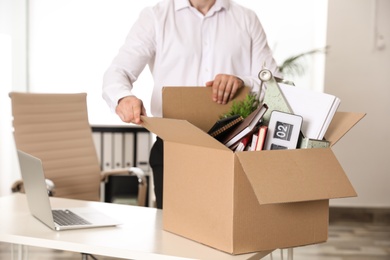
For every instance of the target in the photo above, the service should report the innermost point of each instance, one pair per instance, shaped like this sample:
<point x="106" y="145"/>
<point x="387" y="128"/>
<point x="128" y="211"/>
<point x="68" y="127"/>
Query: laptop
<point x="39" y="203"/>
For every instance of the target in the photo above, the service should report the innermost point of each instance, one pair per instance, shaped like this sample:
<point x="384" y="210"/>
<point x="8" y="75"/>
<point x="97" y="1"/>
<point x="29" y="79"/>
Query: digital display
<point x="283" y="131"/>
<point x="278" y="147"/>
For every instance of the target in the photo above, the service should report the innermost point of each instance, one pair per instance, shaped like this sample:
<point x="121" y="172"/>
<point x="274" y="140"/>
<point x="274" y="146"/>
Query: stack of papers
<point x="316" y="108"/>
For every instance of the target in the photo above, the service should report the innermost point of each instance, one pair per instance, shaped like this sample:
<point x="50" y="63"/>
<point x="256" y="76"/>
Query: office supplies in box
<point x="245" y="201"/>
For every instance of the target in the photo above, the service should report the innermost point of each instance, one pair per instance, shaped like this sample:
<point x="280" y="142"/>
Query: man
<point x="212" y="43"/>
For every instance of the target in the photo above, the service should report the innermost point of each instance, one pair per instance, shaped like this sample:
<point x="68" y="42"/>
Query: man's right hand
<point x="130" y="109"/>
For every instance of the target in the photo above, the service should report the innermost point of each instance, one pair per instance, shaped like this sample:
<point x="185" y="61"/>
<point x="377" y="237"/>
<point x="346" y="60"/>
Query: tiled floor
<point x="347" y="241"/>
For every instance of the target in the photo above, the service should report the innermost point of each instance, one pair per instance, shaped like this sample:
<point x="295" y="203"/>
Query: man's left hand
<point x="224" y="87"/>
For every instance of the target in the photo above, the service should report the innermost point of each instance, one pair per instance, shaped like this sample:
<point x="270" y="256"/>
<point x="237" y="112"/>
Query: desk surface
<point x="140" y="237"/>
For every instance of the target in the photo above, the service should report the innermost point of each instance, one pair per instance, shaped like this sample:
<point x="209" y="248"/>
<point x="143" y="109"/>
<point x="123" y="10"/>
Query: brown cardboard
<point x="192" y="103"/>
<point x="340" y="125"/>
<point x="246" y="201"/>
<point x="302" y="169"/>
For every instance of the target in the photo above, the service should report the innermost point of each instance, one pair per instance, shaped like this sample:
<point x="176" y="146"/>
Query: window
<point x="72" y="42"/>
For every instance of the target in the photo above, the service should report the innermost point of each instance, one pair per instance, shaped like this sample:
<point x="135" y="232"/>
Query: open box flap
<point x="180" y="131"/>
<point x="341" y="123"/>
<point x="295" y="175"/>
<point x="195" y="105"/>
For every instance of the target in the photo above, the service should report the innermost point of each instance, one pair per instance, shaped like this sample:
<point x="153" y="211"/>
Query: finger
<point x="218" y="88"/>
<point x="227" y="95"/>
<point x="137" y="111"/>
<point x="214" y="90"/>
<point x="209" y="83"/>
<point x="234" y="89"/>
<point x="143" y="112"/>
<point x="122" y="115"/>
<point x="214" y="87"/>
<point x="238" y="83"/>
<point x="222" y="89"/>
<point x="221" y="93"/>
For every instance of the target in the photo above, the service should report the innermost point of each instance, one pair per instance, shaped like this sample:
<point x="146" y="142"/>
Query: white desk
<point x="140" y="237"/>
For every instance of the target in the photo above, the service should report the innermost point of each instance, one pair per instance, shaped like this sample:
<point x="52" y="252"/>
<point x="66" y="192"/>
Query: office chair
<point x="55" y="128"/>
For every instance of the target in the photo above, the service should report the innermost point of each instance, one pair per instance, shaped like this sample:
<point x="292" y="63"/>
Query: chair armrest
<point x="142" y="183"/>
<point x="18" y="186"/>
<point x="106" y="174"/>
<point x="122" y="171"/>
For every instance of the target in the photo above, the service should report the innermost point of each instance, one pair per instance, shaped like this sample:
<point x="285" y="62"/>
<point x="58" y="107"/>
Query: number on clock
<point x="283" y="130"/>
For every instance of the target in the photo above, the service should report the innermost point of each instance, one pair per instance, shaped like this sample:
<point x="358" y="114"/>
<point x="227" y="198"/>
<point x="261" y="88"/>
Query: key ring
<point x="265" y="75"/>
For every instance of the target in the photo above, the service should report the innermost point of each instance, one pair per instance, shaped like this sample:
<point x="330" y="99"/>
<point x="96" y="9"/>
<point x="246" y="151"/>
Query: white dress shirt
<point x="183" y="47"/>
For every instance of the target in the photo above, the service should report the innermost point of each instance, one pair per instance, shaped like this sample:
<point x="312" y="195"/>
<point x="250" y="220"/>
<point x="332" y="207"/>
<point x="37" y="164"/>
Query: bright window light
<point x="72" y="42"/>
<point x="6" y="137"/>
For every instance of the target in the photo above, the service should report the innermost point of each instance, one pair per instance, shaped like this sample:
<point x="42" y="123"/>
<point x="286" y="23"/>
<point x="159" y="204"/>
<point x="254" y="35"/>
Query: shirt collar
<point x="219" y="4"/>
<point x="180" y="4"/>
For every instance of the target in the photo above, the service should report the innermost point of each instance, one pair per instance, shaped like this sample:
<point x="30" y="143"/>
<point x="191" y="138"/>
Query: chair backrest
<point x="55" y="128"/>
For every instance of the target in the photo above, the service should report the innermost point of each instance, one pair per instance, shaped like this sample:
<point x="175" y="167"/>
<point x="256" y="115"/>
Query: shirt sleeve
<point x="261" y="55"/>
<point x="138" y="50"/>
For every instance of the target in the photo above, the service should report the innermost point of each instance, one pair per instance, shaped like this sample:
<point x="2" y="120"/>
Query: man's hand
<point x="130" y="109"/>
<point x="225" y="87"/>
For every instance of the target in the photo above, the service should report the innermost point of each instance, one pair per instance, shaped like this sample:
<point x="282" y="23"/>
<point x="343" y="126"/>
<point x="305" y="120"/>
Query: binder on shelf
<point x="117" y="150"/>
<point x="128" y="149"/>
<point x="107" y="151"/>
<point x="142" y="155"/>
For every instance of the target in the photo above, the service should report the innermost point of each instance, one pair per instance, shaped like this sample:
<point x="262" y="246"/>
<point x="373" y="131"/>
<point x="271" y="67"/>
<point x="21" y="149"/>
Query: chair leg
<point x="290" y="253"/>
<point x="85" y="256"/>
<point x="19" y="252"/>
<point x="142" y="191"/>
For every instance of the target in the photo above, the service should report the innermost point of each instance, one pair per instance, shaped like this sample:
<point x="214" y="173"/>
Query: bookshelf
<point x="122" y="146"/>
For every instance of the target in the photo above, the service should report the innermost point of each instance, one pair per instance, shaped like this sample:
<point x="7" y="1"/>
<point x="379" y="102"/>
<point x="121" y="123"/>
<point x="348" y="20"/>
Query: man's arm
<point x="137" y="51"/>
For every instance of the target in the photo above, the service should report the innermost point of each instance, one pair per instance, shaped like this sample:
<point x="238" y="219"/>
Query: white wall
<point x="12" y="77"/>
<point x="358" y="71"/>
<point x="72" y="42"/>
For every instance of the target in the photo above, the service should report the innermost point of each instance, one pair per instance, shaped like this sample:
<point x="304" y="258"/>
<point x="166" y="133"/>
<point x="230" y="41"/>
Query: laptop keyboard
<point x="68" y="218"/>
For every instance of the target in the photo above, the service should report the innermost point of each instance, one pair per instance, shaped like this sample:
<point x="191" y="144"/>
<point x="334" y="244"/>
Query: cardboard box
<point x="246" y="201"/>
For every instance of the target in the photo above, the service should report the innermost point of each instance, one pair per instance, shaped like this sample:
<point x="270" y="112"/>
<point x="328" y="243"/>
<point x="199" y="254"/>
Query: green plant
<point x="243" y="107"/>
<point x="290" y="66"/>
<point x="293" y="65"/>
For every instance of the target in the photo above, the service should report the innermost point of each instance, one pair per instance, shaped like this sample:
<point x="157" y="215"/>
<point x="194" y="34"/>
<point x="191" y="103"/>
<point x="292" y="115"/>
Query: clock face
<point x="283" y="131"/>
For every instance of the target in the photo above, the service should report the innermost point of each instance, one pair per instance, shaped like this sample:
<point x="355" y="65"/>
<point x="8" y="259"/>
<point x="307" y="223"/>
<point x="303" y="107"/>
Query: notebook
<point x="316" y="108"/>
<point x="246" y="126"/>
<point x="39" y="203"/>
